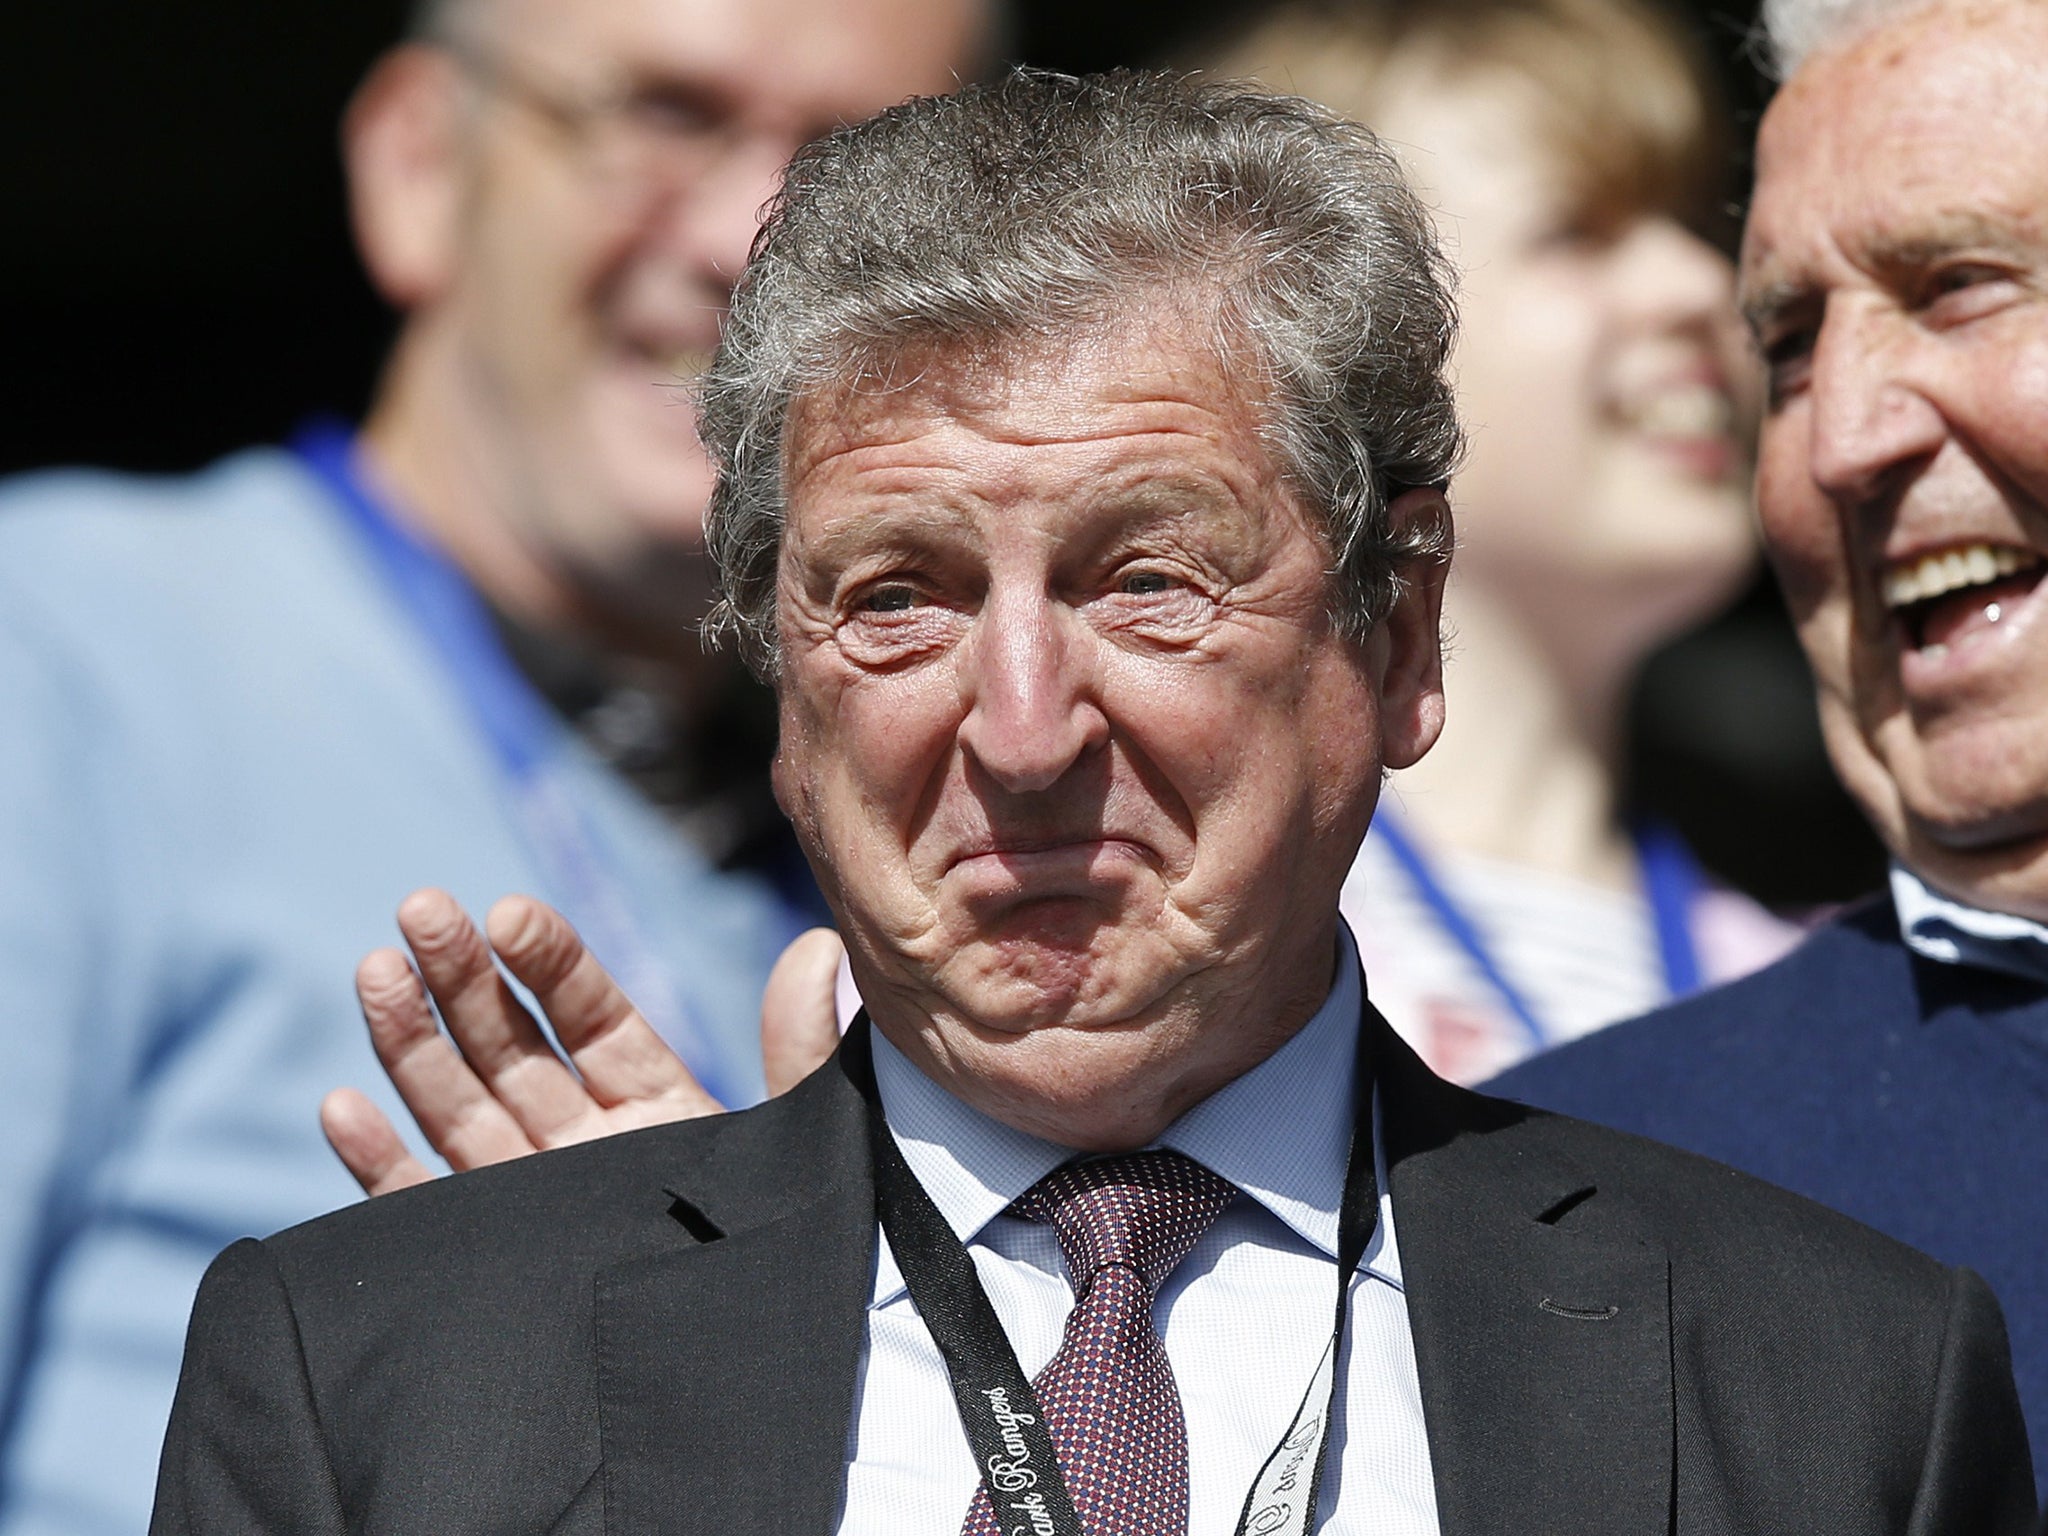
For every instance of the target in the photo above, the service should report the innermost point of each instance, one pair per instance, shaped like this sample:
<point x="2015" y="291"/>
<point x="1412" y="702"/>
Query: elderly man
<point x="249" y="710"/>
<point x="1896" y="271"/>
<point x="1081" y="451"/>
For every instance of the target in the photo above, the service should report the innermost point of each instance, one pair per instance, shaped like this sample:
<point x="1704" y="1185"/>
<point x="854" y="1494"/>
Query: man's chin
<point x="1100" y="1089"/>
<point x="1996" y="861"/>
<point x="1965" y="808"/>
<point x="1014" y="1009"/>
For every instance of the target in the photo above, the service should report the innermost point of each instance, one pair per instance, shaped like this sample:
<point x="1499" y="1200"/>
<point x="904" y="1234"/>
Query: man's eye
<point x="1787" y="360"/>
<point x="1572" y="237"/>
<point x="1962" y="292"/>
<point x="1146" y="583"/>
<point x="671" y="113"/>
<point x="1964" y="275"/>
<point x="893" y="597"/>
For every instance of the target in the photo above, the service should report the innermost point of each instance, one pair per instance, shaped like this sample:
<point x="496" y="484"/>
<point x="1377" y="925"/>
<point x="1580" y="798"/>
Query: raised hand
<point x="493" y="1087"/>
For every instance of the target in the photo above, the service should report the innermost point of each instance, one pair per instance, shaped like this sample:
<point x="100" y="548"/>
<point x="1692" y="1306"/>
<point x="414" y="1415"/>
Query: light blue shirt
<point x="1953" y="933"/>
<point x="227" y="754"/>
<point x="1244" y="1318"/>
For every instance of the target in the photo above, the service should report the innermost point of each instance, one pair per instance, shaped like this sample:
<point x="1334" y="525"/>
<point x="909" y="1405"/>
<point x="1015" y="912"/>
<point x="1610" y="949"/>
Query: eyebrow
<point x="1767" y="306"/>
<point x="897" y="529"/>
<point x="1936" y="239"/>
<point x="1956" y="227"/>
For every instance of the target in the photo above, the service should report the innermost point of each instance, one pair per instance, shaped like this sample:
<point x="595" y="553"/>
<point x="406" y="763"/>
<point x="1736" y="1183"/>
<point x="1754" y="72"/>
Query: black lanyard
<point x="1012" y="1447"/>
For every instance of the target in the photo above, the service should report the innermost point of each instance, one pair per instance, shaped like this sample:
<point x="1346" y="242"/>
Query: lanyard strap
<point x="1671" y="881"/>
<point x="521" y="729"/>
<point x="998" y="1409"/>
<point x="441" y="603"/>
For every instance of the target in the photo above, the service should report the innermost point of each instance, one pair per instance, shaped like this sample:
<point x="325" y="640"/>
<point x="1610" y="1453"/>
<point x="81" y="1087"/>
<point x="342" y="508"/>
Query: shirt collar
<point x="1949" y="932"/>
<point x="1281" y="1133"/>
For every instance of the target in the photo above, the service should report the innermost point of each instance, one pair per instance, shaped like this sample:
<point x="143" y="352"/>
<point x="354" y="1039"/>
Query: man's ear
<point x="402" y="141"/>
<point x="1412" y="690"/>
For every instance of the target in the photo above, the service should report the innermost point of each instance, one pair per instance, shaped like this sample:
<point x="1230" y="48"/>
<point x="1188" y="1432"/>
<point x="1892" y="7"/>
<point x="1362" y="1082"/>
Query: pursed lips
<point x="1028" y="860"/>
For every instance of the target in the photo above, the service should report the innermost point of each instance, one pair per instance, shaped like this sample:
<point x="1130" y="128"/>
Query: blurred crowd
<point x="458" y="641"/>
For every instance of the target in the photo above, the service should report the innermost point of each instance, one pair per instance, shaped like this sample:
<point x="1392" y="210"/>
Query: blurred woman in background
<point x="1504" y="901"/>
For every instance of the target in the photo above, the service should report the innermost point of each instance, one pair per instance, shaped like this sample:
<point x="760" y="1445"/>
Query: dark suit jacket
<point x="1909" y="1094"/>
<point x="662" y="1332"/>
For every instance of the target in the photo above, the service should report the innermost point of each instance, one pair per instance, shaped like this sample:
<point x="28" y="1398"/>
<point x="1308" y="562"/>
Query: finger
<point x="500" y="1040"/>
<point x="454" y="1110"/>
<point x="799" y="1009"/>
<point x="624" y="1064"/>
<point x="367" y="1145"/>
<point x="484" y="1018"/>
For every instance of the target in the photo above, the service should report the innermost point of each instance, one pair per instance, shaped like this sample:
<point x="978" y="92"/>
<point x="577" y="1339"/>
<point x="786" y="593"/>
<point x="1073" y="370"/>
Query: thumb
<point x="799" y="1013"/>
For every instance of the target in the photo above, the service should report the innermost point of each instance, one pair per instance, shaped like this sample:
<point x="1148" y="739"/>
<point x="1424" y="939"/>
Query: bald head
<point x="1794" y="30"/>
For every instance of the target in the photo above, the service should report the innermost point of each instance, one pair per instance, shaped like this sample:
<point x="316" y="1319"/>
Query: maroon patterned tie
<point x="1108" y="1396"/>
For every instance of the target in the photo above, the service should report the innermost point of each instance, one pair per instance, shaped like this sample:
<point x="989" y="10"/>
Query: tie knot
<point x="1143" y="1210"/>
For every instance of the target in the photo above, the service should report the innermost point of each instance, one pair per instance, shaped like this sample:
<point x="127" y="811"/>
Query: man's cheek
<point x="803" y="743"/>
<point x="1810" y="566"/>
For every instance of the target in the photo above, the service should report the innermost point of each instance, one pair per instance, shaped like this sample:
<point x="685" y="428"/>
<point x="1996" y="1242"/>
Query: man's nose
<point x="710" y="222"/>
<point x="1872" y="418"/>
<point x="1673" y="279"/>
<point x="1028" y="681"/>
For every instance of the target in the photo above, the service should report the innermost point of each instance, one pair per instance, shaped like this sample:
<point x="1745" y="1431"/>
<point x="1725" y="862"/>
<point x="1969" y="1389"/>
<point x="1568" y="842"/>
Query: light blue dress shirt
<point x="1244" y="1318"/>
<point x="227" y="753"/>
<point x="1954" y="933"/>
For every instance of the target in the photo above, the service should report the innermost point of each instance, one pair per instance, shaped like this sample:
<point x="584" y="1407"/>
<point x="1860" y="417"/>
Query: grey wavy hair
<point x="1040" y="204"/>
<point x="1793" y="30"/>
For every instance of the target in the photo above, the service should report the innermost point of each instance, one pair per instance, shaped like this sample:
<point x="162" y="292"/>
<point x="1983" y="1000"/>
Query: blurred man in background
<point x="1895" y="271"/>
<point x="249" y="710"/>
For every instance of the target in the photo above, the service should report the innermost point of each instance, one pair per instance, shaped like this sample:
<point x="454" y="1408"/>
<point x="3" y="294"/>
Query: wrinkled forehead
<point x="1915" y="139"/>
<point x="1178" y="338"/>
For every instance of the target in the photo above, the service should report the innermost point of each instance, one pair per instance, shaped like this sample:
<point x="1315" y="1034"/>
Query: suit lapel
<point x="1542" y="1324"/>
<point x="726" y="1367"/>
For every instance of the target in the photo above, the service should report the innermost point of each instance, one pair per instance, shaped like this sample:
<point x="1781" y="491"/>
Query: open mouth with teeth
<point x="1682" y="411"/>
<point x="1947" y="597"/>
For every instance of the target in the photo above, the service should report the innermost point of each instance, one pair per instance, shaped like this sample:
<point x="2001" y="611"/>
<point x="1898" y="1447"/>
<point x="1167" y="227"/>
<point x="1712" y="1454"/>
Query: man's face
<point x="1066" y="727"/>
<point x="1896" y="269"/>
<point x="597" y="252"/>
